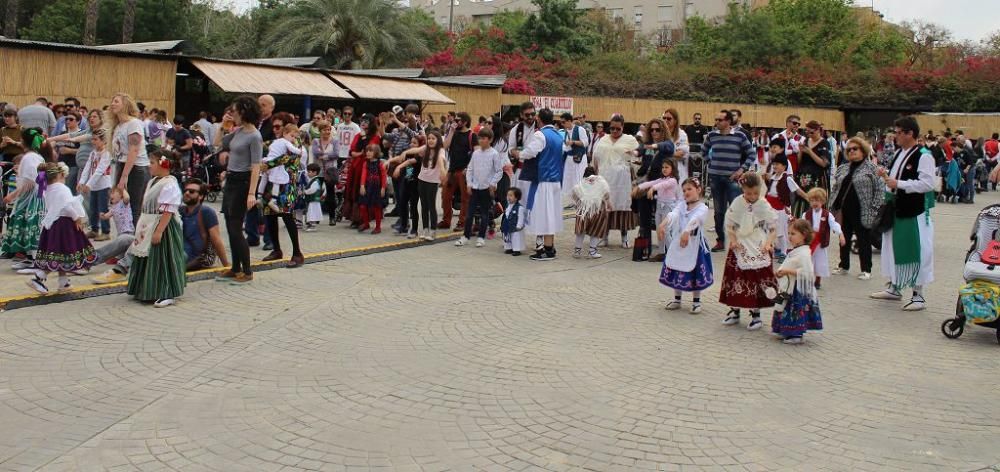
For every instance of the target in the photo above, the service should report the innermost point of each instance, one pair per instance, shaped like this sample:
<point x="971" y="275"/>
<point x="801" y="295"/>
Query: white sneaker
<point x="795" y="340"/>
<point x="427" y="235"/>
<point x="838" y="271"/>
<point x="865" y="276"/>
<point x="674" y="305"/>
<point x="916" y="304"/>
<point x="626" y="244"/>
<point x="577" y="253"/>
<point x="594" y="254"/>
<point x="37" y="285"/>
<point x="22" y="265"/>
<point x="480" y="242"/>
<point x="30" y="272"/>
<point x="695" y="309"/>
<point x="755" y="324"/>
<point x="412" y="235"/>
<point x="462" y="241"/>
<point x="731" y="318"/>
<point x="886" y="295"/>
<point x="164" y="302"/>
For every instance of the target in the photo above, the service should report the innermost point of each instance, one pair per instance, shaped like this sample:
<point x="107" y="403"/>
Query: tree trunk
<point x="10" y="25"/>
<point x="90" y="27"/>
<point x="128" y="23"/>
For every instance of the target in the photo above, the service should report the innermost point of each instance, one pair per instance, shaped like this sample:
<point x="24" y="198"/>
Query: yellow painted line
<point x="83" y="291"/>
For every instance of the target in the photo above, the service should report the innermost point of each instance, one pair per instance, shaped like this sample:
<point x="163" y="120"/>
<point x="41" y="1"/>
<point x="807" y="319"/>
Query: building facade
<point x="664" y="18"/>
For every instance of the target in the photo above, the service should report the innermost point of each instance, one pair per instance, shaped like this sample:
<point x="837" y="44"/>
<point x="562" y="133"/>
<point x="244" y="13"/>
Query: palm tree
<point x="128" y="23"/>
<point x="90" y="27"/>
<point x="10" y="25"/>
<point x="347" y="33"/>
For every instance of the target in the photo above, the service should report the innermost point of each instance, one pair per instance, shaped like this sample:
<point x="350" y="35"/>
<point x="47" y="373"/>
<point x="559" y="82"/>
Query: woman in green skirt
<point x="158" y="260"/>
<point x="24" y="229"/>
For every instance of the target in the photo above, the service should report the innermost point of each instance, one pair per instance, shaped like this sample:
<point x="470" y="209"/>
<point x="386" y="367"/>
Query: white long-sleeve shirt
<point x="925" y="174"/>
<point x="279" y="147"/>
<point x="96" y="174"/>
<point x="485" y="168"/>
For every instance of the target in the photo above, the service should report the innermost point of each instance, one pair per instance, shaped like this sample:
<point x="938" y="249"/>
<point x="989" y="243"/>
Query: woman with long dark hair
<point x="433" y="169"/>
<point x="371" y="133"/>
<point x="24" y="228"/>
<point x="284" y="207"/>
<point x="241" y="153"/>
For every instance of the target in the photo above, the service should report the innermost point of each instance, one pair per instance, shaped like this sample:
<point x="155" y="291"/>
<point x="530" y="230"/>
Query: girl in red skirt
<point x="63" y="246"/>
<point x="749" y="274"/>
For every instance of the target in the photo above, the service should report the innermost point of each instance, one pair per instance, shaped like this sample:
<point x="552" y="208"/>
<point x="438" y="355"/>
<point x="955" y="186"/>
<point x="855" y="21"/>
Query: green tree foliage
<point x="63" y="21"/>
<point x="346" y="33"/>
<point x="553" y="29"/>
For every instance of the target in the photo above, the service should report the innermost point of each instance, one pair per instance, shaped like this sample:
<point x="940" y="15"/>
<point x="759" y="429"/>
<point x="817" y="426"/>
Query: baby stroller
<point x="209" y="170"/>
<point x="979" y="300"/>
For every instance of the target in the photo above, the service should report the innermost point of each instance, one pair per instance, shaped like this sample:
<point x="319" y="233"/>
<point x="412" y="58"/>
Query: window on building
<point x="616" y="13"/>
<point x="637" y="15"/>
<point x="666" y="14"/>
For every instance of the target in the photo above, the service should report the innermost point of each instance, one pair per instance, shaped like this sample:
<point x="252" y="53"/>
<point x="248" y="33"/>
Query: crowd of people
<point x="777" y="197"/>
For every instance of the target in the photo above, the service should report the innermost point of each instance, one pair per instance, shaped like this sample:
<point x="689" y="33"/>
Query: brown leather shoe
<point x="443" y="225"/>
<point x="241" y="279"/>
<point x="226" y="276"/>
<point x="273" y="256"/>
<point x="296" y="262"/>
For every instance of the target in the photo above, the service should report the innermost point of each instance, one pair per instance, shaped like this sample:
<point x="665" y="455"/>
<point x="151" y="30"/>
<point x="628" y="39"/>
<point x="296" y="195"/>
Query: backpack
<point x="992" y="148"/>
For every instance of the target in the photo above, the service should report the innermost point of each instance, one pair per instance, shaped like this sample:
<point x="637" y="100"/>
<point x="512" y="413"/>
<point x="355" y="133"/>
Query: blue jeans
<point x="98" y="206"/>
<point x="968" y="191"/>
<point x="724" y="191"/>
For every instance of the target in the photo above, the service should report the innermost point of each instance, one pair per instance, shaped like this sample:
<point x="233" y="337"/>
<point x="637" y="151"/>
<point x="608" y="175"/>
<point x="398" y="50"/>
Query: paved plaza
<point x="439" y="358"/>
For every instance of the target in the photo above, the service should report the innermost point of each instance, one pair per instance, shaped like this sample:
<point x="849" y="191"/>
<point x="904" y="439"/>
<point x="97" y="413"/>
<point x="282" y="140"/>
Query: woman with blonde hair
<point x="857" y="195"/>
<point x="128" y="149"/>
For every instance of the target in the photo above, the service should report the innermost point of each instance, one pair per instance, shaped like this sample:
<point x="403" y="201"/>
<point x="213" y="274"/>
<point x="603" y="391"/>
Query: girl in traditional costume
<point x="23" y="228"/>
<point x="63" y="246"/>
<point x="158" y="258"/>
<point x="798" y="309"/>
<point x="688" y="264"/>
<point x="592" y="197"/>
<point x="750" y="230"/>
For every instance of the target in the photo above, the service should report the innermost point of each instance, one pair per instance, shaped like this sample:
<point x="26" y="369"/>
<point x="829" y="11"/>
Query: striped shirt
<point x="729" y="153"/>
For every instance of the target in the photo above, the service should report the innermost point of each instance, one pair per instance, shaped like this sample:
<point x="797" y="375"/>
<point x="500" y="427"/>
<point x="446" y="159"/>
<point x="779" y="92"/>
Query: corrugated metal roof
<point x="470" y="80"/>
<point x="233" y="76"/>
<point x="389" y="88"/>
<point x="307" y="61"/>
<point x="25" y="44"/>
<point x="153" y="46"/>
<point x="396" y="73"/>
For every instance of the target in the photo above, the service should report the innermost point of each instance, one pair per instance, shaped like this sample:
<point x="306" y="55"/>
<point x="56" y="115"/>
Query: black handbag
<point x="886" y="216"/>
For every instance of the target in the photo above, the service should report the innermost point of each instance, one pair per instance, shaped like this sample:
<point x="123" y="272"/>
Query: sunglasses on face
<point x="529" y="114"/>
<point x="795" y="123"/>
<point x="655" y="130"/>
<point x="615" y="128"/>
<point x="191" y="190"/>
<point x="668" y="118"/>
<point x="277" y="126"/>
<point x="70" y="118"/>
<point x="852" y="149"/>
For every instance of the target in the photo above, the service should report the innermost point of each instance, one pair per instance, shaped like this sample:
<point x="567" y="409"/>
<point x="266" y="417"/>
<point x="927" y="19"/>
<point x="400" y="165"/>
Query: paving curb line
<point x="87" y="291"/>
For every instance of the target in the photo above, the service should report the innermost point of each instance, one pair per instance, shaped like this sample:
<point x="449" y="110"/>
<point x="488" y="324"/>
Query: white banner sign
<point x="558" y="105"/>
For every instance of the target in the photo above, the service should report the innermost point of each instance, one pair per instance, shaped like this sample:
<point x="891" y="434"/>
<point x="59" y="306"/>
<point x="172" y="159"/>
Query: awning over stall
<point x="381" y="88"/>
<point x="253" y="78"/>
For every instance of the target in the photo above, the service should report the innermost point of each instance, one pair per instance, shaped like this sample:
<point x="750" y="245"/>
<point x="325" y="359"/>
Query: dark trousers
<point x="252" y="227"/>
<point x="480" y="204"/>
<point x="852" y="226"/>
<point x="411" y="199"/>
<point x="234" y="206"/>
<point x="293" y="232"/>
<point x="332" y="202"/>
<point x="138" y="177"/>
<point x="402" y="197"/>
<point x="724" y="191"/>
<point x="647" y="216"/>
<point x="428" y="204"/>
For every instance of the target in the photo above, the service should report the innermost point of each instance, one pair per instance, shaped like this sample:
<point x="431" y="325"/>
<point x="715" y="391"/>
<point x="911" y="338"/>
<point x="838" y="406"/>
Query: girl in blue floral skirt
<point x="797" y="310"/>
<point x="688" y="264"/>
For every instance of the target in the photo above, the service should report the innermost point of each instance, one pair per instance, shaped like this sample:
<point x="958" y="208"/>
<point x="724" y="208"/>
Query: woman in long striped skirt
<point x="158" y="259"/>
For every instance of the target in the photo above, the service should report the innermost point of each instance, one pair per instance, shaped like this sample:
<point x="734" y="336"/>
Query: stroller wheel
<point x="953" y="328"/>
<point x="212" y="197"/>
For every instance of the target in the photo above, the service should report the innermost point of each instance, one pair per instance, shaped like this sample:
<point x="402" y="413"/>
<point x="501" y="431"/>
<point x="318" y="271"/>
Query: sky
<point x="966" y="19"/>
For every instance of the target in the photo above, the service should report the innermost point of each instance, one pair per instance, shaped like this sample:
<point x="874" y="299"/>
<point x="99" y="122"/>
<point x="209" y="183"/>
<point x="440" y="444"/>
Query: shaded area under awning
<point x="253" y="78"/>
<point x="380" y="88"/>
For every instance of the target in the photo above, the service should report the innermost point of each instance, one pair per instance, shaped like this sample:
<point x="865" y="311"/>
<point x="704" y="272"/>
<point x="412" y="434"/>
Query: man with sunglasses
<point x="793" y="139"/>
<point x="71" y="104"/>
<point x="730" y="155"/>
<point x="518" y="137"/>
<point x="200" y="224"/>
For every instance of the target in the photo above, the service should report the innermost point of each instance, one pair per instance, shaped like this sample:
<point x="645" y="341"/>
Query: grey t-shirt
<point x="37" y="116"/>
<point x="119" y="143"/>
<point x="245" y="149"/>
<point x="83" y="152"/>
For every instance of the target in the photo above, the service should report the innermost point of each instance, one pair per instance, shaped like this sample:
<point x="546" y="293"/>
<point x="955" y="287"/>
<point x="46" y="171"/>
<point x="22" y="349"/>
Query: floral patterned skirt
<point x="700" y="278"/>
<point x="745" y="288"/>
<point x="24" y="228"/>
<point x="800" y="314"/>
<point x="64" y="248"/>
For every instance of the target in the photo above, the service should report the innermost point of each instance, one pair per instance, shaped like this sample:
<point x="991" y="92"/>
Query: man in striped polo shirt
<point x="730" y="154"/>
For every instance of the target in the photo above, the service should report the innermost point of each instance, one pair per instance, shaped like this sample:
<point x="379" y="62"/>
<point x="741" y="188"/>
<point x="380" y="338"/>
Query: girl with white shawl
<point x="613" y="157"/>
<point x="592" y="197"/>
<point x="63" y="246"/>
<point x="750" y="230"/>
<point x="798" y="306"/>
<point x="687" y="266"/>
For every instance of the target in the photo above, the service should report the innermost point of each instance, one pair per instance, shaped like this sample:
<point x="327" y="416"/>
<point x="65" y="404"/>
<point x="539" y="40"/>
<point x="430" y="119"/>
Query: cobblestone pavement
<point x="464" y="359"/>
